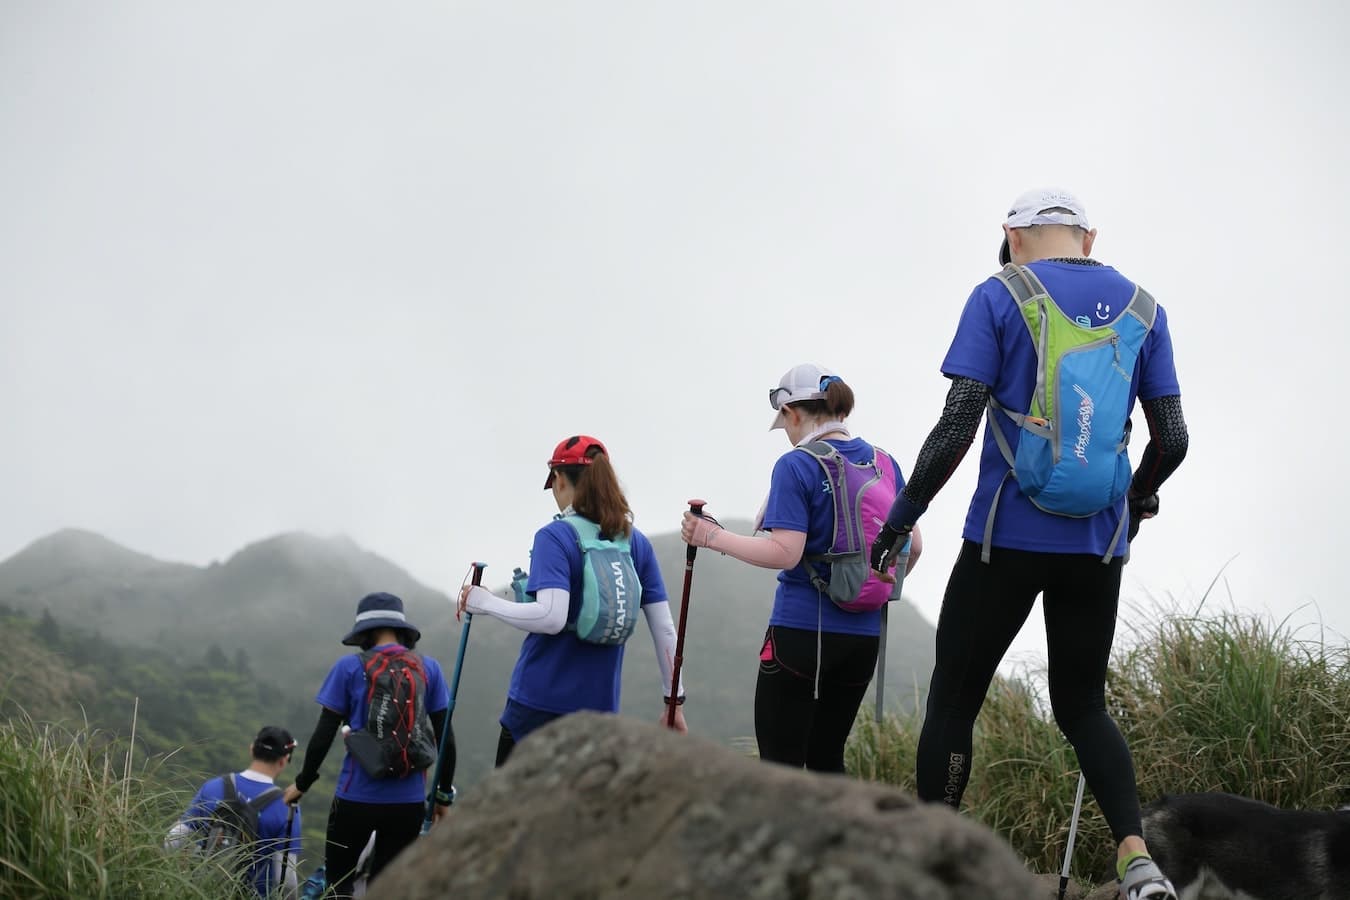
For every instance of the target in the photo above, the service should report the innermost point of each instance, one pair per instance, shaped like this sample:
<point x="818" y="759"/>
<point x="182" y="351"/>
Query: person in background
<point x="389" y="807"/>
<point x="275" y="853"/>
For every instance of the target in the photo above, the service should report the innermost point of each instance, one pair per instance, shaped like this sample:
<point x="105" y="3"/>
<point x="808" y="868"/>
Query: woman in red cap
<point x="562" y="668"/>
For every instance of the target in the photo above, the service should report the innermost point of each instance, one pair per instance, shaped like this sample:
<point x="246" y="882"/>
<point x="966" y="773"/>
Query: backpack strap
<point x="265" y="799"/>
<point x="1143" y="307"/>
<point x="1024" y="286"/>
<point x="1021" y="282"/>
<point x="230" y="793"/>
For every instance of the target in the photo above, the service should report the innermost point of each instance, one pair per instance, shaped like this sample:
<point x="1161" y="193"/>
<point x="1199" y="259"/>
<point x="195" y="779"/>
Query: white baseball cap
<point x="1033" y="208"/>
<point x="807" y="381"/>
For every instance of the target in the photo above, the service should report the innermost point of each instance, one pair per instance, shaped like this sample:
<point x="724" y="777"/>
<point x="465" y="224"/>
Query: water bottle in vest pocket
<point x="611" y="593"/>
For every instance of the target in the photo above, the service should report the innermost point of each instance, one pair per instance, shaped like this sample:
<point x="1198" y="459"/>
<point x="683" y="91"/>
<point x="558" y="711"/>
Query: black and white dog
<point x="1216" y="846"/>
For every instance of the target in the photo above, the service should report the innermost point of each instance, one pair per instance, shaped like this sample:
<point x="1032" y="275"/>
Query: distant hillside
<point x="287" y="601"/>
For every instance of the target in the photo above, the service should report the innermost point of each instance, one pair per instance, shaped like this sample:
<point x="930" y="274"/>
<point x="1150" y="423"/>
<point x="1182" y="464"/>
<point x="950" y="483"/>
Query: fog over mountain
<point x="287" y="600"/>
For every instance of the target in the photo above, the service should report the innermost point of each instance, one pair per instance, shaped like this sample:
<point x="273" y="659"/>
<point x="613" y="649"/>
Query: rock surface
<point x="597" y="806"/>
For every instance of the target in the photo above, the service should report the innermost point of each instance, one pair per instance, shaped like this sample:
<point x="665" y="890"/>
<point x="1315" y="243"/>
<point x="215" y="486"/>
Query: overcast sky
<point x="356" y="268"/>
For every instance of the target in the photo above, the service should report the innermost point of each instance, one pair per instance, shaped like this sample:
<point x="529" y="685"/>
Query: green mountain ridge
<point x="286" y="601"/>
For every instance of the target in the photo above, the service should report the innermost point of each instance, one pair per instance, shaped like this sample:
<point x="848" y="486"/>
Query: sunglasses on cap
<point x="776" y="402"/>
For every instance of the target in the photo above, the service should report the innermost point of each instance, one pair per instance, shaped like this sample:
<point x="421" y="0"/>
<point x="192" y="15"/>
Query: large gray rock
<point x="596" y="806"/>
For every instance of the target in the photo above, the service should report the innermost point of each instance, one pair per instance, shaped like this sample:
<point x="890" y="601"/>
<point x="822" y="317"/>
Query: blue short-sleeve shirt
<point x="560" y="673"/>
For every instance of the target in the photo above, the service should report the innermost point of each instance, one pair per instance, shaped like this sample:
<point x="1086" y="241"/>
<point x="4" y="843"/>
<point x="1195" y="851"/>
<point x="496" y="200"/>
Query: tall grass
<point x="1225" y="702"/>
<point x="77" y="821"/>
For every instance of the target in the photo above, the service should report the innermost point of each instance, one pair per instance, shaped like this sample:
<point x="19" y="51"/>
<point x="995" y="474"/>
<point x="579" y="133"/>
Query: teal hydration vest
<point x="611" y="593"/>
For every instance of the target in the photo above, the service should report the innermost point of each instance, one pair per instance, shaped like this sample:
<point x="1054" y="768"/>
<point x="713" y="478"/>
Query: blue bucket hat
<point x="379" y="610"/>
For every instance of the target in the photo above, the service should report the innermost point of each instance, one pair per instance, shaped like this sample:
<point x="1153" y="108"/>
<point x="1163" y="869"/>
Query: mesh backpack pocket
<point x="397" y="739"/>
<point x="861" y="494"/>
<point x="610" y="591"/>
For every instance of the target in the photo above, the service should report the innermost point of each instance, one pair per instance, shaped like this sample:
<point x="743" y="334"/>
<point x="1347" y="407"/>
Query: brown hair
<point x="598" y="495"/>
<point x="836" y="404"/>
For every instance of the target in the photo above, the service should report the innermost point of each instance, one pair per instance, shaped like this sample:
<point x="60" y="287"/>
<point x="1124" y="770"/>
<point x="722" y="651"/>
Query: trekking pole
<point x="1073" y="831"/>
<point x="901" y="563"/>
<point x="695" y="507"/>
<point x="476" y="580"/>
<point x="286" y="847"/>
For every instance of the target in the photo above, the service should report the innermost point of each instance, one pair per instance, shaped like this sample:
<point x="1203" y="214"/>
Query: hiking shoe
<point x="1143" y="880"/>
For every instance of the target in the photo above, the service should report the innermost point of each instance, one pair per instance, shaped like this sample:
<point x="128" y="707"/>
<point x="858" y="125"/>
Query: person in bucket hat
<point x="817" y="658"/>
<point x="274" y="856"/>
<point x="557" y="671"/>
<point x="389" y="808"/>
<point x="1015" y="548"/>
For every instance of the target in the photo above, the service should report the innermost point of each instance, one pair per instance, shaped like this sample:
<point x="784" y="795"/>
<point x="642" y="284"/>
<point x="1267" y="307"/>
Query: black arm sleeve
<point x="949" y="440"/>
<point x="439" y="725"/>
<point x="1167" y="444"/>
<point x="317" y="748"/>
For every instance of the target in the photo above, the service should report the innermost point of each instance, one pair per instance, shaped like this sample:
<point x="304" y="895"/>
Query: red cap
<point x="573" y="451"/>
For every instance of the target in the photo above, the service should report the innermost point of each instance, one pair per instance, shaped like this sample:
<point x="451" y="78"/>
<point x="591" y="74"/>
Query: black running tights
<point x="982" y="611"/>
<point x="396" y="825"/>
<point x="792" y="725"/>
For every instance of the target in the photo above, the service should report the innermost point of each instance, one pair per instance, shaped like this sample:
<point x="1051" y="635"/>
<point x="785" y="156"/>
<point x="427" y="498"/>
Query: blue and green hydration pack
<point x="610" y="591"/>
<point x="1072" y="457"/>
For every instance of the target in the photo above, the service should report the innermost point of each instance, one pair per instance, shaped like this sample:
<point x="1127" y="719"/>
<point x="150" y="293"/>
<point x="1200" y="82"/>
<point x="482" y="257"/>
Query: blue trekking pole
<point x="450" y="709"/>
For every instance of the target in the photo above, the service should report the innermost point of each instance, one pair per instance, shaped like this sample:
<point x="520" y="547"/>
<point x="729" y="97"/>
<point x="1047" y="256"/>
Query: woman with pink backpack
<point x="820" y="649"/>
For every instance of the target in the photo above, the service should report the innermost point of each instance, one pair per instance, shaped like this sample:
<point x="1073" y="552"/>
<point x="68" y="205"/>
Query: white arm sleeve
<point x="663" y="638"/>
<point x="178" y="835"/>
<point x="546" y="615"/>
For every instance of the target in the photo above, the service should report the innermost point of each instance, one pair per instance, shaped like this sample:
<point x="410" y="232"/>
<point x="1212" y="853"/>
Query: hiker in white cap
<point x="820" y="649"/>
<point x="1054" y="350"/>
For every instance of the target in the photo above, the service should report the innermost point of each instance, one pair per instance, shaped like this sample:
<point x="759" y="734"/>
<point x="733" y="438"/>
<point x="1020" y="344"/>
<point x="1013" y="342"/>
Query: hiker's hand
<point x="885" y="549"/>
<point x="292" y="794"/>
<point x="440" y="812"/>
<point x="698" y="531"/>
<point x="679" y="725"/>
<point x="1141" y="508"/>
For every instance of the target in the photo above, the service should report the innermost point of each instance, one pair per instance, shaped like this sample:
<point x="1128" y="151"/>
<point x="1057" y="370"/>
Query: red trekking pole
<point x="695" y="507"/>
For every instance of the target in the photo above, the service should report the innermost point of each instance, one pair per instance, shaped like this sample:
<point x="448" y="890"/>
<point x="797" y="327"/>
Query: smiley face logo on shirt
<point x="1103" y="311"/>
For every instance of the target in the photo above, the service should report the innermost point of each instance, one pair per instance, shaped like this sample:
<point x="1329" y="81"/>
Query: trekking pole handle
<point x="695" y="507"/>
<point x="477" y="578"/>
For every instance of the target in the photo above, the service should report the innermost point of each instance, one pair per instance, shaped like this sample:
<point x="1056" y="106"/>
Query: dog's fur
<point x="1223" y="846"/>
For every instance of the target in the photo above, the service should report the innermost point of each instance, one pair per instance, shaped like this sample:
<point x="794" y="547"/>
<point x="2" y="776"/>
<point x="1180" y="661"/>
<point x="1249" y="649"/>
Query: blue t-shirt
<point x="993" y="346"/>
<point x="799" y="500"/>
<point x="273" y="833"/>
<point x="560" y="673"/>
<point x="344" y="692"/>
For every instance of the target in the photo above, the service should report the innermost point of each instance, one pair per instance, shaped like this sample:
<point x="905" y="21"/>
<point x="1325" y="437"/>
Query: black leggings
<point x="792" y="725"/>
<point x="982" y="611"/>
<point x="396" y="825"/>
